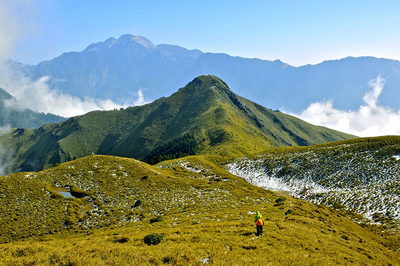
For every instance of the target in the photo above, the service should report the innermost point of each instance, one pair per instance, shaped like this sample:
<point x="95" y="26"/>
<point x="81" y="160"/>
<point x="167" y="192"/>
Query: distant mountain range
<point x="203" y="117"/>
<point x="11" y="115"/>
<point x="117" y="68"/>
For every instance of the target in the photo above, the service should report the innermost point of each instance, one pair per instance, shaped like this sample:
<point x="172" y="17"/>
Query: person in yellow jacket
<point x="259" y="220"/>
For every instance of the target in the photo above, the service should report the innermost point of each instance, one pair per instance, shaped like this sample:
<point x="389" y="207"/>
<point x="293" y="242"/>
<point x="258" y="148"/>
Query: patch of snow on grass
<point x="397" y="157"/>
<point x="258" y="178"/>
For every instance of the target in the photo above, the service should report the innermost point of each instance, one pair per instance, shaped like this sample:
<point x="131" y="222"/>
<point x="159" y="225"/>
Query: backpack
<point x="260" y="221"/>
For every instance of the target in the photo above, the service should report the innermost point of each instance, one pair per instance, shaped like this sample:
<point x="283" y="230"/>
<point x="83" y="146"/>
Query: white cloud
<point x="6" y="154"/>
<point x="369" y="120"/>
<point x="140" y="100"/>
<point x="37" y="96"/>
<point x="17" y="22"/>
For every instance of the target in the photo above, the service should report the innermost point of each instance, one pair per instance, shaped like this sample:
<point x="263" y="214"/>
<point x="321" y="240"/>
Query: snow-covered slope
<point x="362" y="175"/>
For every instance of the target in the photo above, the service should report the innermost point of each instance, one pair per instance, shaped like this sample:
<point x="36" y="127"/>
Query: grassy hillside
<point x="204" y="213"/>
<point x="222" y="123"/>
<point x="361" y="175"/>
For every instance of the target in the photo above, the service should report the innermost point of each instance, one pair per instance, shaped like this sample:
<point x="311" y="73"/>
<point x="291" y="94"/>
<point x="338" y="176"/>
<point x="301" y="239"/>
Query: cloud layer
<point x="369" y="120"/>
<point x="37" y="96"/>
<point x="6" y="154"/>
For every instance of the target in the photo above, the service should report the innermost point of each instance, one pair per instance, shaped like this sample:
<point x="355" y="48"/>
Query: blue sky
<point x="296" y="32"/>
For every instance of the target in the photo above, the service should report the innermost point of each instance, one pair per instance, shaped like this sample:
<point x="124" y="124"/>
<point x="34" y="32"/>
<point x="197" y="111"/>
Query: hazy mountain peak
<point x="124" y="39"/>
<point x="96" y="47"/>
<point x="110" y="42"/>
<point x="4" y="95"/>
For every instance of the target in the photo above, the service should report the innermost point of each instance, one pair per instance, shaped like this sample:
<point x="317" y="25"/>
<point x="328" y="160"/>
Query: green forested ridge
<point x="224" y="123"/>
<point x="14" y="117"/>
<point x="181" y="146"/>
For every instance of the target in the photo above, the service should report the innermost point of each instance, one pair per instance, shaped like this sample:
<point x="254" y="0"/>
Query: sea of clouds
<point x="370" y="119"/>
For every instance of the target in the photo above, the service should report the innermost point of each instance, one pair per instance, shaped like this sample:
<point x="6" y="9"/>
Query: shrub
<point x="169" y="260"/>
<point x="123" y="239"/>
<point x="154" y="239"/>
<point x="288" y="212"/>
<point x="138" y="203"/>
<point x="280" y="201"/>
<point x="155" y="220"/>
<point x="78" y="192"/>
<point x="249" y="247"/>
<point x="145" y="177"/>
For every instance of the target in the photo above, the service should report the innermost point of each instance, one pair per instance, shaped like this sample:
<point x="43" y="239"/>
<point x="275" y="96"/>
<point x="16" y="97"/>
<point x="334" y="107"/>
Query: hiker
<point x="259" y="220"/>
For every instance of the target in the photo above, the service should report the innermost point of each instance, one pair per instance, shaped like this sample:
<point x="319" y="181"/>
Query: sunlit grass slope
<point x="222" y="122"/>
<point x="31" y="205"/>
<point x="205" y="214"/>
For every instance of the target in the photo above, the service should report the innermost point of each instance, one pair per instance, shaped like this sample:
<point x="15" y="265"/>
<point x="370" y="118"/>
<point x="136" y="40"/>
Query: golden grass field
<point x="311" y="235"/>
<point x="214" y="226"/>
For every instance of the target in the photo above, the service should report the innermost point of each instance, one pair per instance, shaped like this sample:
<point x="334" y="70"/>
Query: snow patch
<point x="397" y="157"/>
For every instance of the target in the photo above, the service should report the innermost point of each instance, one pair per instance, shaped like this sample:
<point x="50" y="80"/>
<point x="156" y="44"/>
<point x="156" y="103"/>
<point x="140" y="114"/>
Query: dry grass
<point x="311" y="235"/>
<point x="213" y="225"/>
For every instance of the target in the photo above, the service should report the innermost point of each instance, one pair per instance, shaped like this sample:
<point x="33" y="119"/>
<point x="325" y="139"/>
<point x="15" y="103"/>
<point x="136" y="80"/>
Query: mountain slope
<point x="220" y="121"/>
<point x="361" y="175"/>
<point x="13" y="116"/>
<point x="118" y="69"/>
<point x="204" y="213"/>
